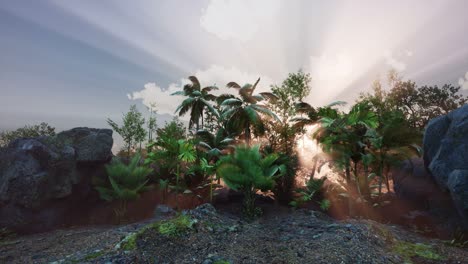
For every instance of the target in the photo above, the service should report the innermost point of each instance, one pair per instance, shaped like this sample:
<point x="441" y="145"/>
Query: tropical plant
<point x="214" y="144"/>
<point x="244" y="113"/>
<point x="284" y="185"/>
<point x="306" y="194"/>
<point x="247" y="171"/>
<point x="126" y="182"/>
<point x="345" y="138"/>
<point x="186" y="153"/>
<point x="197" y="100"/>
<point x="132" y="130"/>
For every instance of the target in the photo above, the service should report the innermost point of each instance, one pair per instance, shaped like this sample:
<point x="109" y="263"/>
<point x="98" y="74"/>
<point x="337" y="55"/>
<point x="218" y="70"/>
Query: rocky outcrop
<point x="41" y="179"/>
<point x="446" y="155"/>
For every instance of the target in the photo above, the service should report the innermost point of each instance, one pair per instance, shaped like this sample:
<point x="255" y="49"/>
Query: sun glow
<point x="312" y="158"/>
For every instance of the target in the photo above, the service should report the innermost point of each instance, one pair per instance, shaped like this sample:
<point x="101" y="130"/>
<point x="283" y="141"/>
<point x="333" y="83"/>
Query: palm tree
<point x="393" y="141"/>
<point x="197" y="100"/>
<point x="312" y="115"/>
<point x="244" y="113"/>
<point x="345" y="138"/>
<point x="214" y="144"/>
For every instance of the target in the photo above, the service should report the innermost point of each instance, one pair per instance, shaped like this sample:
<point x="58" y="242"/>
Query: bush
<point x="247" y="171"/>
<point x="43" y="129"/>
<point x="126" y="182"/>
<point x="284" y="185"/>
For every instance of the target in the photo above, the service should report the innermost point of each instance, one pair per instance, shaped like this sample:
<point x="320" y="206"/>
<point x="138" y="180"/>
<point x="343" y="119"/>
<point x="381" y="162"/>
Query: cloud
<point x="237" y="19"/>
<point x="213" y="75"/>
<point x="331" y="74"/>
<point x="394" y="62"/>
<point x="463" y="82"/>
<point x="331" y="68"/>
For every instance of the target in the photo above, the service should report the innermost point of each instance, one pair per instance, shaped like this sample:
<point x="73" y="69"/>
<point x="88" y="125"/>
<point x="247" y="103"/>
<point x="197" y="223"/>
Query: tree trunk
<point x="380" y="175"/>
<point x="202" y="121"/>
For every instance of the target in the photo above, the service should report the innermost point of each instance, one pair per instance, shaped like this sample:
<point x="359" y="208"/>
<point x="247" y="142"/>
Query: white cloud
<point x="394" y="62"/>
<point x="331" y="68"/>
<point x="214" y="75"/>
<point x="237" y="19"/>
<point x="463" y="82"/>
<point x="331" y="74"/>
<point x="409" y="53"/>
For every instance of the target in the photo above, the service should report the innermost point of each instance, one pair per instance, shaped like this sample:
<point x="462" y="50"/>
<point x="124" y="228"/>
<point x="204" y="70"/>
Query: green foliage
<point x="132" y="130"/>
<point x="419" y="104"/>
<point x="244" y="114"/>
<point x="176" y="226"/>
<point x="174" y="129"/>
<point x="221" y="262"/>
<point x="293" y="90"/>
<point x="214" y="144"/>
<point x="94" y="255"/>
<point x="175" y="156"/>
<point x="196" y="102"/>
<point x="409" y="250"/>
<point x="247" y="171"/>
<point x="165" y="150"/>
<point x="126" y="181"/>
<point x="129" y="242"/>
<point x="285" y="184"/>
<point x="306" y="194"/>
<point x="42" y="129"/>
<point x="324" y="204"/>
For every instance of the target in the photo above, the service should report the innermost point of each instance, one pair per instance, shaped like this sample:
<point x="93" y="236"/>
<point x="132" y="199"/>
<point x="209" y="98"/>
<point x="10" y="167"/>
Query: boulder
<point x="42" y="179"/>
<point x="446" y="155"/>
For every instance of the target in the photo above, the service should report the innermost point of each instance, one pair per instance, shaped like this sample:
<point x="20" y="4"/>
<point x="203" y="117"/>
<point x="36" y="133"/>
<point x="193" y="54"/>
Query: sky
<point x="76" y="63"/>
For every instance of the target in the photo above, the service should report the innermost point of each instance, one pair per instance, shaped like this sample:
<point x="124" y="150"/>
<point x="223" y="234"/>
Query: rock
<point x="163" y="209"/>
<point x="42" y="179"/>
<point x="413" y="182"/>
<point x="446" y="155"/>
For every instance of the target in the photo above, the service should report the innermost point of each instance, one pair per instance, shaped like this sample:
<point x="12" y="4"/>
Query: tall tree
<point x="244" y="113"/>
<point x="152" y="121"/>
<point x="282" y="133"/>
<point x="132" y="130"/>
<point x="197" y="100"/>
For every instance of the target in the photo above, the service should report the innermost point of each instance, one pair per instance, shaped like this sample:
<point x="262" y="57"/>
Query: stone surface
<point x="42" y="178"/>
<point x="446" y="155"/>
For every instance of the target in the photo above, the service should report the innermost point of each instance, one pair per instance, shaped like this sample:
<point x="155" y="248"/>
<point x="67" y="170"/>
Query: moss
<point x="174" y="227"/>
<point x="383" y="232"/>
<point x="94" y="255"/>
<point x="408" y="250"/>
<point x="129" y="242"/>
<point x="221" y="262"/>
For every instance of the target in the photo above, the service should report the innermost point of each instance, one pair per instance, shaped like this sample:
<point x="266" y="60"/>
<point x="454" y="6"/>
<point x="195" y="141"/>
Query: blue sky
<point x="75" y="63"/>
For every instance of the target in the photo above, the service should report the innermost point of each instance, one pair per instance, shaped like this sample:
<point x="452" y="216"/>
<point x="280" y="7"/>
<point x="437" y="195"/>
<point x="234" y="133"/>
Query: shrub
<point x="313" y="186"/>
<point x="126" y="182"/>
<point x="43" y="129"/>
<point x="247" y="171"/>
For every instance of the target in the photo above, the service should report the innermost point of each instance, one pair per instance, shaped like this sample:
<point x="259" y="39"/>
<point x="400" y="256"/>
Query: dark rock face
<point x="446" y="155"/>
<point x="43" y="179"/>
